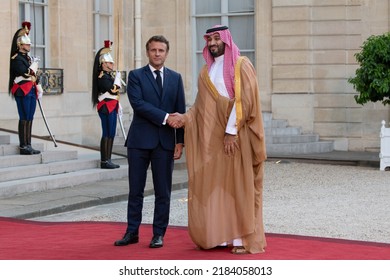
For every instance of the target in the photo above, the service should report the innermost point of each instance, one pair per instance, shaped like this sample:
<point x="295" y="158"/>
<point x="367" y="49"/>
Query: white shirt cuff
<point x="165" y="119"/>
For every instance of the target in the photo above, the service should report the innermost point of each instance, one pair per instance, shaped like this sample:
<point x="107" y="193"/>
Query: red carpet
<point x="28" y="240"/>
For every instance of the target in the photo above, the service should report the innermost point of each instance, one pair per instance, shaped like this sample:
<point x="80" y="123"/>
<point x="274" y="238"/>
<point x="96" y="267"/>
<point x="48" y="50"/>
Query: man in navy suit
<point x="154" y="92"/>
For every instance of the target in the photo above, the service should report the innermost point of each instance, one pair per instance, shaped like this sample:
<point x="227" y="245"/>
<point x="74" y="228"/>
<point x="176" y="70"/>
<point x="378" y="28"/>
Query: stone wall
<point x="305" y="55"/>
<point x="313" y="47"/>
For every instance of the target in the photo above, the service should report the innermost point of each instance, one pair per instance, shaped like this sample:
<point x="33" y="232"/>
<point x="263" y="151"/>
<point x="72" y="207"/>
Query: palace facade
<point x="303" y="51"/>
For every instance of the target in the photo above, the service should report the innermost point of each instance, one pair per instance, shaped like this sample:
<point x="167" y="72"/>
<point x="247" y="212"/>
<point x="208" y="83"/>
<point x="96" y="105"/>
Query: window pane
<point x="103" y="28"/>
<point x="241" y="6"/>
<point x="207" y="6"/>
<point x="102" y="24"/>
<point x="250" y="55"/>
<point x="37" y="34"/>
<point x="37" y="27"/>
<point x="104" y="6"/>
<point x="242" y="30"/>
<point x="39" y="53"/>
<point x="200" y="62"/>
<point x="22" y="13"/>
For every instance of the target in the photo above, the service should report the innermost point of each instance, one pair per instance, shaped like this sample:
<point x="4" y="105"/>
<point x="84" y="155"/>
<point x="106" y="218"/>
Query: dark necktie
<point x="158" y="80"/>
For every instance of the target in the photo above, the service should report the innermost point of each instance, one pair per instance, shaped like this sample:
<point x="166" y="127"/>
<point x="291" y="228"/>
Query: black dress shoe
<point x="156" y="242"/>
<point x="128" y="238"/>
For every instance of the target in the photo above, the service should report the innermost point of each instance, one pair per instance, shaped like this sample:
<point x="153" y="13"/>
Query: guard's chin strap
<point x="108" y="67"/>
<point x="23" y="49"/>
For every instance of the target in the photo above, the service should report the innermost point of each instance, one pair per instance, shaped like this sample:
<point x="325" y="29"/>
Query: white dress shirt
<point x="162" y="82"/>
<point x="216" y="76"/>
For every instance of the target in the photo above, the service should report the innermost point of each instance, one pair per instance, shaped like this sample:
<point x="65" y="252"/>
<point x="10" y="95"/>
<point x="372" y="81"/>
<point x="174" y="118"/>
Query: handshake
<point x="176" y="120"/>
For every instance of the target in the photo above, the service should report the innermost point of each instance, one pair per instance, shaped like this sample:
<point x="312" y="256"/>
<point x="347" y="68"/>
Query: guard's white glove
<point x="120" y="110"/>
<point x="34" y="66"/>
<point x="35" y="59"/>
<point x="40" y="91"/>
<point x="118" y="79"/>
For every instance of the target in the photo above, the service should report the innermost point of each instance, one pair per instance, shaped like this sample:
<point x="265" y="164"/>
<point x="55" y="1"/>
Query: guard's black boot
<point x="22" y="131"/>
<point x="29" y="129"/>
<point x="109" y="146"/>
<point x="105" y="162"/>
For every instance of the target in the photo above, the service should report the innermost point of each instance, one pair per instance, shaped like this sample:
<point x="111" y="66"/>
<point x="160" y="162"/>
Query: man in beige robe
<point x="225" y="151"/>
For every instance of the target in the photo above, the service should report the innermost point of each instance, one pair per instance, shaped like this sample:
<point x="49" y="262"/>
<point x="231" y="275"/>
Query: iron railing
<point x="52" y="80"/>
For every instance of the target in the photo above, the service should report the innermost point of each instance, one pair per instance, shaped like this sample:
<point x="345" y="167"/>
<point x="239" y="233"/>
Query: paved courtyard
<point x="337" y="201"/>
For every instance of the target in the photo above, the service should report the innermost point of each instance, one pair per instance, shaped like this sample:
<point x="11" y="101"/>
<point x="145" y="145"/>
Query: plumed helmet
<point x="23" y="38"/>
<point x="105" y="53"/>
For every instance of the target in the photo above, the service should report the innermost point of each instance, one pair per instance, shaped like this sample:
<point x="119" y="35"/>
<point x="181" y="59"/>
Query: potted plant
<point x="372" y="80"/>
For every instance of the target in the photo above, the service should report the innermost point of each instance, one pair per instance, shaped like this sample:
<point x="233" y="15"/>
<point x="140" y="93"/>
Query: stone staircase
<point x="55" y="168"/>
<point x="283" y="140"/>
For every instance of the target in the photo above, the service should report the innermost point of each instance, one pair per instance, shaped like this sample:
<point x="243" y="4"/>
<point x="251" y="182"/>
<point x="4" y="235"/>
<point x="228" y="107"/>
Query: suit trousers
<point x="161" y="162"/>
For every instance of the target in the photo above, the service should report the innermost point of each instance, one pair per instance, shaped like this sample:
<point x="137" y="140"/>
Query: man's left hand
<point x="230" y="143"/>
<point x="178" y="151"/>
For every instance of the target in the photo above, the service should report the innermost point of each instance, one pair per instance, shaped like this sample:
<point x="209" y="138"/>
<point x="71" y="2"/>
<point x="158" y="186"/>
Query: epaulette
<point x="101" y="74"/>
<point x="15" y="55"/>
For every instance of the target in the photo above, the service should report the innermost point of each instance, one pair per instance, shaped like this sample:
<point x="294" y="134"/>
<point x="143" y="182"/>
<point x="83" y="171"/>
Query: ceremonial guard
<point x="105" y="97"/>
<point x="23" y="86"/>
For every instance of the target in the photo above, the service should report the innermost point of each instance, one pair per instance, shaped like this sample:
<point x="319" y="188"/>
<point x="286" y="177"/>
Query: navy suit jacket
<point x="146" y="129"/>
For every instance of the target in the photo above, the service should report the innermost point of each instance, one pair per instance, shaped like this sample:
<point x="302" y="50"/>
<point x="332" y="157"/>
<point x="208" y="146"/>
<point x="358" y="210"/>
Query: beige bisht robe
<point x="225" y="193"/>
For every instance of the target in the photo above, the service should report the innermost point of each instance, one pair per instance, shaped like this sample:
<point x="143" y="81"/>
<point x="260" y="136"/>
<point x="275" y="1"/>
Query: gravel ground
<point x="335" y="201"/>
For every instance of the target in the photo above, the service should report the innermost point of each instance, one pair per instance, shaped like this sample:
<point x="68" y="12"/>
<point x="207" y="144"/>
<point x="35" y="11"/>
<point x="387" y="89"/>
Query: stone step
<point x="45" y="169"/>
<point x="13" y="149"/>
<point x="282" y="139"/>
<point x="44" y="157"/>
<point x="54" y="168"/>
<point x="5" y="139"/>
<point x="267" y="116"/>
<point x="299" y="148"/>
<point x="275" y="123"/>
<point x="286" y="139"/>
<point x="57" y="181"/>
<point x="277" y="131"/>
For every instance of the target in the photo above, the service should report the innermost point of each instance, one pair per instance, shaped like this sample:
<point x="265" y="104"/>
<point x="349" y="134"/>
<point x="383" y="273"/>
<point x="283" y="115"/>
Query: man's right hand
<point x="176" y="120"/>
